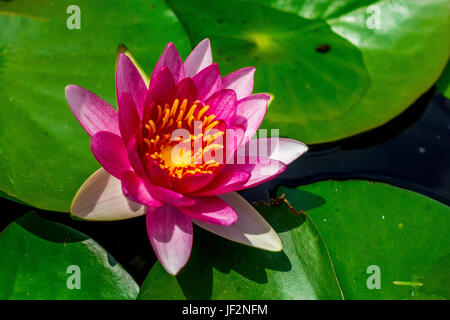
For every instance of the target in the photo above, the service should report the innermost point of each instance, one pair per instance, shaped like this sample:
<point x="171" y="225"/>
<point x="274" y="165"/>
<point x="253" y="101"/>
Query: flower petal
<point x="250" y="229"/>
<point x="100" y="198"/>
<point x="133" y="187"/>
<point x="250" y="113"/>
<point x="156" y="174"/>
<point x="93" y="113"/>
<point x="198" y="59"/>
<point x="129" y="83"/>
<point x="224" y="182"/>
<point x="240" y="81"/>
<point x="260" y="169"/>
<point x="170" y="233"/>
<point x="129" y="119"/>
<point x="110" y="152"/>
<point x="211" y="210"/>
<point x="192" y="183"/>
<point x="185" y="89"/>
<point x="281" y="149"/>
<point x="171" y="59"/>
<point x="122" y="49"/>
<point x="168" y="196"/>
<point x="159" y="91"/>
<point x="223" y="105"/>
<point x="208" y="81"/>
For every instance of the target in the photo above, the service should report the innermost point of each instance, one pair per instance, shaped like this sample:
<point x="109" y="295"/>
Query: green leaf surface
<point x="44" y="152"/>
<point x="363" y="224"/>
<point x="221" y="269"/>
<point x="336" y="67"/>
<point x="37" y="259"/>
<point x="443" y="83"/>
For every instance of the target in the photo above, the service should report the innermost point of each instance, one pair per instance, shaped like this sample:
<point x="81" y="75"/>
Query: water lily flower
<point x="141" y="173"/>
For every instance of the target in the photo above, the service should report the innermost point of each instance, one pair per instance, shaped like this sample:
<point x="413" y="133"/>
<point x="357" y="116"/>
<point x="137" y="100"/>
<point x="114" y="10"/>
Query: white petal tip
<point x="250" y="229"/>
<point x="100" y="198"/>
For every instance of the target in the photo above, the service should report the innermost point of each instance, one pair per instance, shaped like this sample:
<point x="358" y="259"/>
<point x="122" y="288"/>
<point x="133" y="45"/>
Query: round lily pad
<point x="336" y="67"/>
<point x="44" y="152"/>
<point x="41" y="259"/>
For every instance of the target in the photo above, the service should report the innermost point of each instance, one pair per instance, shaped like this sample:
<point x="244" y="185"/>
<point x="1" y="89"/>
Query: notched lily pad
<point x="220" y="269"/>
<point x="377" y="231"/>
<point x="41" y="259"/>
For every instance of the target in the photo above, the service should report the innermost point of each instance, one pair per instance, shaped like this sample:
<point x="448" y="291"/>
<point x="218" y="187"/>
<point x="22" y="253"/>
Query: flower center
<point x="182" y="138"/>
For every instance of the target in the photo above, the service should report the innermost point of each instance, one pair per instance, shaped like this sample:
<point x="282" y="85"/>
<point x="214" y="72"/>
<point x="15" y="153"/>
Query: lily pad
<point x="41" y="259"/>
<point x="443" y="83"/>
<point x="376" y="230"/>
<point x="221" y="269"/>
<point x="44" y="152"/>
<point x="336" y="67"/>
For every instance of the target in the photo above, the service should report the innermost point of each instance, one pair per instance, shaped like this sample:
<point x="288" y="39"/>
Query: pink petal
<point x="170" y="233"/>
<point x="260" y="169"/>
<point x="133" y="187"/>
<point x="192" y="183"/>
<point x="157" y="175"/>
<point x="211" y="210"/>
<point x="159" y="90"/>
<point x="129" y="119"/>
<point x="135" y="159"/>
<point x="250" y="113"/>
<point x="233" y="140"/>
<point x="122" y="49"/>
<point x="171" y="59"/>
<point x="185" y="89"/>
<point x="223" y="105"/>
<point x="240" y="81"/>
<point x="200" y="58"/>
<point x="110" y="152"/>
<point x="93" y="113"/>
<point x="169" y="196"/>
<point x="281" y="149"/>
<point x="129" y="83"/>
<point x="224" y="182"/>
<point x="208" y="81"/>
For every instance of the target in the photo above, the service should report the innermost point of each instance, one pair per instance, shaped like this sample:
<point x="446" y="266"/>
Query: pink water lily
<point x="141" y="173"/>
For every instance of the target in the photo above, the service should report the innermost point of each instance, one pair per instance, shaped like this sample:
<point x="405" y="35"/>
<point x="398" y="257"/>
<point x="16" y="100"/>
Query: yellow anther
<point x="166" y="117"/>
<point x="208" y="120"/>
<point x="212" y="125"/>
<point x="180" y="115"/>
<point x="174" y="107"/>
<point x="152" y="125"/>
<point x="190" y="121"/>
<point x="201" y="112"/>
<point x="191" y="112"/>
<point x="147" y="142"/>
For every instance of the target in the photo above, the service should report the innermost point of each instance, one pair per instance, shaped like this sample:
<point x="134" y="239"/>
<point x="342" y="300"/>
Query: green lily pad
<point x="335" y="68"/>
<point x="443" y="83"/>
<point x="373" y="229"/>
<point x="221" y="269"/>
<point x="41" y="259"/>
<point x="44" y="152"/>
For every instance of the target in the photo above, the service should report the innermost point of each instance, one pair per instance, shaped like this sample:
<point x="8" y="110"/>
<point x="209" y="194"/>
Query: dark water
<point x="411" y="151"/>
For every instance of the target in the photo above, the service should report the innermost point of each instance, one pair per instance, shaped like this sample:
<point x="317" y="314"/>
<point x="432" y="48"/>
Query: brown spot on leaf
<point x="323" y="48"/>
